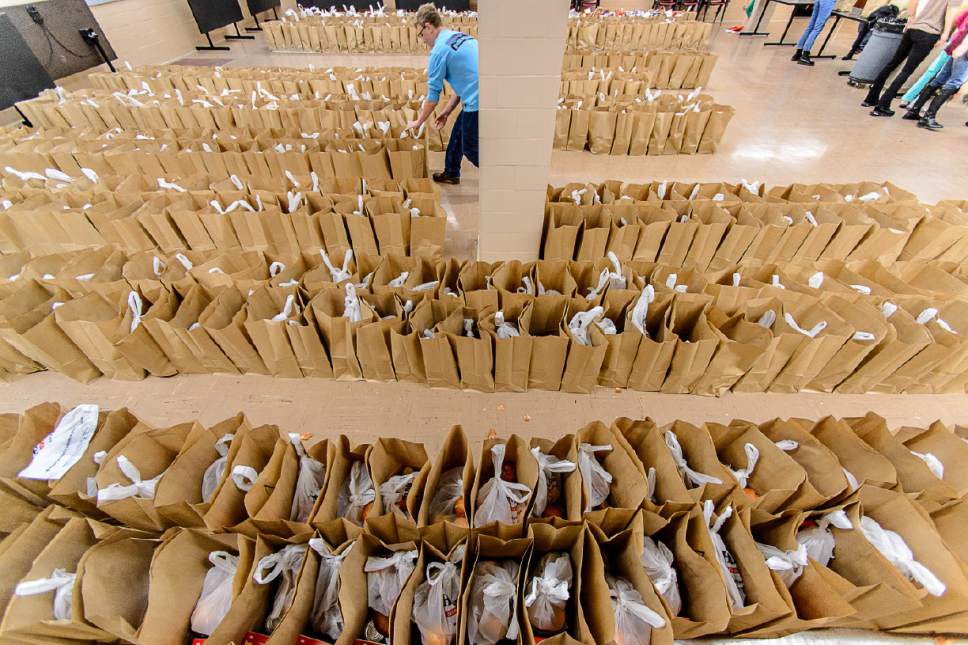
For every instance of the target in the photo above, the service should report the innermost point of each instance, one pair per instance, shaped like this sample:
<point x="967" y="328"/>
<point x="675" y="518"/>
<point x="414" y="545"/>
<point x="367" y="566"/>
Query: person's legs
<point x="455" y="148"/>
<point x="955" y="79"/>
<point x="810" y="25"/>
<point x="903" y="49"/>
<point x="863" y="30"/>
<point x="928" y="92"/>
<point x="818" y="19"/>
<point x="921" y="45"/>
<point x="469" y="137"/>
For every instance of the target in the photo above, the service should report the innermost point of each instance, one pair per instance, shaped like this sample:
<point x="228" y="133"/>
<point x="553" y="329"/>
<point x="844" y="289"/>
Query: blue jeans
<point x="821" y="12"/>
<point x="463" y="143"/>
<point x="953" y="75"/>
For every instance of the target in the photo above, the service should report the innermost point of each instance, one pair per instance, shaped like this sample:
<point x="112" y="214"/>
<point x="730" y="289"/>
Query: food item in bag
<point x="216" y="470"/>
<point x="356" y="498"/>
<point x="727" y="563"/>
<point x="598" y="481"/>
<point x="657" y="561"/>
<point x="547" y="594"/>
<point x="448" y="502"/>
<point x="502" y="498"/>
<point x="818" y="539"/>
<point x="547" y="493"/>
<point x="216" y="597"/>
<point x="493" y="603"/>
<point x="326" y="617"/>
<point x="436" y="601"/>
<point x="634" y="621"/>
<point x="309" y="482"/>
<point x="788" y="565"/>
<point x="395" y="490"/>
<point x="285" y="563"/>
<point x="385" y="578"/>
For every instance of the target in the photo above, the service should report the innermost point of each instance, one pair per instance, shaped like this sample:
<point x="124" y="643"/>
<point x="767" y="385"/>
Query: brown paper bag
<point x="618" y="556"/>
<point x="541" y="320"/>
<point x="448" y="489"/>
<point x="627" y="487"/>
<point x="504" y="496"/>
<point x="399" y="469"/>
<point x="224" y="320"/>
<point x="96" y="325"/>
<point x="697" y="342"/>
<point x="512" y="350"/>
<point x="126" y="493"/>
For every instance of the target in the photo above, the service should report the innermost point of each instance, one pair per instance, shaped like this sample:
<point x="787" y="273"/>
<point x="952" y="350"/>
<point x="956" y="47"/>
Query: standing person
<point x="948" y="81"/>
<point x="923" y="31"/>
<point x="818" y="18"/>
<point x="865" y="28"/>
<point x="453" y="58"/>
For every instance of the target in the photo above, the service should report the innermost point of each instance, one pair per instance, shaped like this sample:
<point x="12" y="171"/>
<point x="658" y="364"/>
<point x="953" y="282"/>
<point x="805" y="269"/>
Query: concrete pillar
<point x="521" y="47"/>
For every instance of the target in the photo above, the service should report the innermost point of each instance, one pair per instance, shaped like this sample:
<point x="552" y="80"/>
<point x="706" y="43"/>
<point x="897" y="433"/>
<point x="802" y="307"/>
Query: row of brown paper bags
<point x="141" y="163"/>
<point x="331" y="34"/>
<point x="238" y="320"/>
<point x="638" y="32"/>
<point x="310" y="116"/>
<point x="284" y="224"/>
<point x="872" y="534"/>
<point x="390" y="82"/>
<point x="642" y="128"/>
<point x="715" y="234"/>
<point x="612" y="190"/>
<point x="659" y="69"/>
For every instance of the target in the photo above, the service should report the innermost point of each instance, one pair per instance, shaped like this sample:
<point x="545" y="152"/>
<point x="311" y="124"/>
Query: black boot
<point x="914" y="109"/>
<point x="928" y="120"/>
<point x="797" y="55"/>
<point x="805" y="59"/>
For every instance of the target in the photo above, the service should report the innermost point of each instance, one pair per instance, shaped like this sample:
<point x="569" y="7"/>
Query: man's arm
<point x="425" y="111"/>
<point x="447" y="111"/>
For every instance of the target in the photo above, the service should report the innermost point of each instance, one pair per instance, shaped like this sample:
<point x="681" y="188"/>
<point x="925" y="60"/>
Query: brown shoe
<point x="444" y="178"/>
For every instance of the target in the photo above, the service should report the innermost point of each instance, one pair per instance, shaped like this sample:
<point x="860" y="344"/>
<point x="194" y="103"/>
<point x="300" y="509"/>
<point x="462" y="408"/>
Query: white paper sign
<point x="63" y="447"/>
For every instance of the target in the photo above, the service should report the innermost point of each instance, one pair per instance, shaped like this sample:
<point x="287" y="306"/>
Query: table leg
<point x="756" y="30"/>
<point x="826" y="40"/>
<point x="780" y="42"/>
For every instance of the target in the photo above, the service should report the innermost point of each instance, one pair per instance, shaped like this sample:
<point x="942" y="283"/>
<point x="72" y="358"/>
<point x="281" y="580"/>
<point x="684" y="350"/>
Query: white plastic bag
<point x="743" y="475"/>
<point x="64" y="446"/>
<point x="893" y="547"/>
<point x="436" y="599"/>
<point x="819" y="540"/>
<point x="548" y="466"/>
<point x="215" y="471"/>
<point x="935" y="465"/>
<point x="327" y="616"/>
<point x="690" y="477"/>
<point x="493" y="603"/>
<point x="634" y="621"/>
<point x="60" y="582"/>
<point x="549" y="591"/>
<point x="499" y="499"/>
<point x="394" y="490"/>
<point x="787" y="564"/>
<point x="357" y="493"/>
<point x="286" y="563"/>
<point x="216" y="597"/>
<point x="657" y="561"/>
<point x="309" y="483"/>
<point x="727" y="563"/>
<point x="450" y="488"/>
<point x="597" y="480"/>
<point x="385" y="578"/>
<point x="581" y="321"/>
<point x="137" y="488"/>
<point x="641" y="310"/>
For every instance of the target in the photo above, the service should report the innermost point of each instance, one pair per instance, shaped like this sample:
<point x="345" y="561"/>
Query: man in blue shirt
<point x="453" y="58"/>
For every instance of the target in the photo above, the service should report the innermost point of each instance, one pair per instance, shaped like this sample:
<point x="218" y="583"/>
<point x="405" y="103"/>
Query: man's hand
<point x="441" y="120"/>
<point x="414" y="125"/>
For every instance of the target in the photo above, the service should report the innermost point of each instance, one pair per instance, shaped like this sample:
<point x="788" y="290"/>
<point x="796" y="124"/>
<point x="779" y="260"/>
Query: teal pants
<point x="929" y="73"/>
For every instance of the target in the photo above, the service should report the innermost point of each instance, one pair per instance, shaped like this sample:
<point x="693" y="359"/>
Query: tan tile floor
<point x="792" y="124"/>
